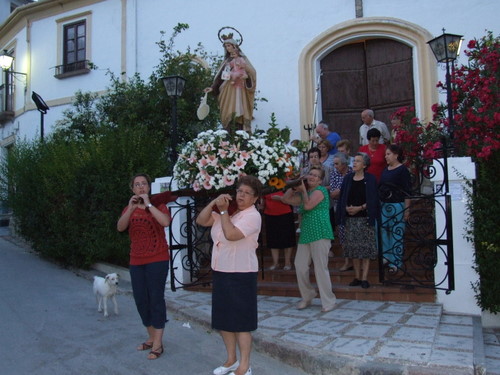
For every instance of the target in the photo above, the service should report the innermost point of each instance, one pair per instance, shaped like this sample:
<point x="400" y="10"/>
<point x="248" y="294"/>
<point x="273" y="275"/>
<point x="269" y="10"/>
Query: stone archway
<point x="424" y="74"/>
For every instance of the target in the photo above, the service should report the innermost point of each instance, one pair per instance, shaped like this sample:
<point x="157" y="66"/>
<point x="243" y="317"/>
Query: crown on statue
<point x="230" y="36"/>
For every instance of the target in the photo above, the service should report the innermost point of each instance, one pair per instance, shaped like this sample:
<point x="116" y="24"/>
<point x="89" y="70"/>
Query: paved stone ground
<point x="364" y="336"/>
<point x="358" y="337"/>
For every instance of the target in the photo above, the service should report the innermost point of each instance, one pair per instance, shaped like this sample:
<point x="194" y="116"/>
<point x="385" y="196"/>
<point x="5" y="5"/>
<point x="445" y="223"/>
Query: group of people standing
<point x="352" y="196"/>
<point x="335" y="188"/>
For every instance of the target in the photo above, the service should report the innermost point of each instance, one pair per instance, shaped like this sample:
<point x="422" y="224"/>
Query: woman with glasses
<point x="235" y="267"/>
<point x="315" y="238"/>
<point x="148" y="260"/>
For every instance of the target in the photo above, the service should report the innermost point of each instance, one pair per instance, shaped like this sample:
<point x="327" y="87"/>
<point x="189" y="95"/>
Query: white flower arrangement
<point x="215" y="159"/>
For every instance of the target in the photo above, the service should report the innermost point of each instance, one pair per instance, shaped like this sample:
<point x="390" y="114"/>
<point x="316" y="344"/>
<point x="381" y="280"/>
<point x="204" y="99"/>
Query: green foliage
<point x="83" y="119"/>
<point x="483" y="231"/>
<point x="67" y="193"/>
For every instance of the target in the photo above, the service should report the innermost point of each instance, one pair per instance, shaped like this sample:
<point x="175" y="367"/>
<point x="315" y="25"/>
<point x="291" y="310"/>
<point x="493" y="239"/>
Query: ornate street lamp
<point x="174" y="85"/>
<point x="446" y="48"/>
<point x="6" y="61"/>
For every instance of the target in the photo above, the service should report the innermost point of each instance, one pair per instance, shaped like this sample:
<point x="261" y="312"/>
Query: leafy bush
<point x="485" y="209"/>
<point x="69" y="193"/>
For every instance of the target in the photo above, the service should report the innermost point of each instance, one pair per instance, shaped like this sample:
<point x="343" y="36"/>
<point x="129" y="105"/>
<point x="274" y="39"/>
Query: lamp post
<point x="42" y="108"/>
<point x="446" y="48"/>
<point x="174" y="85"/>
<point x="6" y="61"/>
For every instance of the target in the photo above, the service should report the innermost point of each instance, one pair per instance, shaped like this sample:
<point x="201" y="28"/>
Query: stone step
<point x="376" y="292"/>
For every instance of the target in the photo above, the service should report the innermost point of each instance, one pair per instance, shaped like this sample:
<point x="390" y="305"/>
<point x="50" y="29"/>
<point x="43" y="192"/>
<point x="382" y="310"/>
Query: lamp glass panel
<point x="453" y="43"/>
<point x="6" y="61"/>
<point x="438" y="48"/>
<point x="169" y="83"/>
<point x="180" y="85"/>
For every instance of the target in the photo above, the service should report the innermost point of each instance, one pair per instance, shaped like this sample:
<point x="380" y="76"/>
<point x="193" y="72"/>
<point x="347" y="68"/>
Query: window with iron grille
<point x="74" y="50"/>
<point x="74" y="46"/>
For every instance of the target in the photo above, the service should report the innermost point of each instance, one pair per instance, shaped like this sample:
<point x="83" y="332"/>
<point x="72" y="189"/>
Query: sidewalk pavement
<point x="359" y="337"/>
<point x="363" y="337"/>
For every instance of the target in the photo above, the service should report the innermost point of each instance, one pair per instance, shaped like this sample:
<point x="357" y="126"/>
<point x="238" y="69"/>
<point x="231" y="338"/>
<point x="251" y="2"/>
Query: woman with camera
<point x="235" y="266"/>
<point x="315" y="238"/>
<point x="149" y="257"/>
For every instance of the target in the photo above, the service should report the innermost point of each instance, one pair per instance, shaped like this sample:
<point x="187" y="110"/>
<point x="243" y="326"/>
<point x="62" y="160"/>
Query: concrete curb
<point x="110" y="268"/>
<point x="479" y="356"/>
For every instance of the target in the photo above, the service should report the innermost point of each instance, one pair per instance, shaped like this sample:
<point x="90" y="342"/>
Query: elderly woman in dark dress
<point x="235" y="267"/>
<point x="358" y="210"/>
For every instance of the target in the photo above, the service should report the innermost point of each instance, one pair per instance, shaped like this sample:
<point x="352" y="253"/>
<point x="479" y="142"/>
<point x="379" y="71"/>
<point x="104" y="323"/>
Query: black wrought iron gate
<point x="410" y="250"/>
<point x="190" y="245"/>
<point x="417" y="244"/>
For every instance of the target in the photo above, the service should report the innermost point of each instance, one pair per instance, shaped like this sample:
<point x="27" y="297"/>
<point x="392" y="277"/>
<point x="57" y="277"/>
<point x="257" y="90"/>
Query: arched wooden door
<point x="372" y="73"/>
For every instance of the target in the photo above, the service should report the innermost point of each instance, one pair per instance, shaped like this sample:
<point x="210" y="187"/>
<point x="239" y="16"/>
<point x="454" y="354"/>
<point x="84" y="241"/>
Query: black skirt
<point x="280" y="231"/>
<point x="234" y="301"/>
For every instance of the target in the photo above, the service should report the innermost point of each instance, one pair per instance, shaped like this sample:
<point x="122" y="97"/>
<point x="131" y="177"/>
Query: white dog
<point x="105" y="288"/>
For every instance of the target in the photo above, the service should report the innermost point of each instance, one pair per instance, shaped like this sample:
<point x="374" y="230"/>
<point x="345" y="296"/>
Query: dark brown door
<point x="373" y="73"/>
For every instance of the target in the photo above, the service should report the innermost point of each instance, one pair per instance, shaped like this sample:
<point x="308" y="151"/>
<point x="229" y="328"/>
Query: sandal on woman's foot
<point x="145" y="346"/>
<point x="155" y="354"/>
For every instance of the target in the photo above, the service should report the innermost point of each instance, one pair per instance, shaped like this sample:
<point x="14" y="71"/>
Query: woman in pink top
<point x="235" y="267"/>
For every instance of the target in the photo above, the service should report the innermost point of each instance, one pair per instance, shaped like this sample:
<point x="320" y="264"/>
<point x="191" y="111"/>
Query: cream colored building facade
<point x="285" y="40"/>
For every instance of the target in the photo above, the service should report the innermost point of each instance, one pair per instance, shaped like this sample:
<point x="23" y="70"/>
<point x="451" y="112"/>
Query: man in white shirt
<point x="369" y="122"/>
